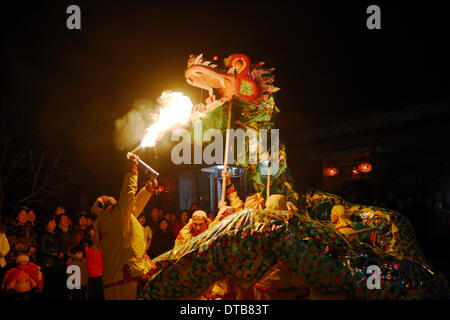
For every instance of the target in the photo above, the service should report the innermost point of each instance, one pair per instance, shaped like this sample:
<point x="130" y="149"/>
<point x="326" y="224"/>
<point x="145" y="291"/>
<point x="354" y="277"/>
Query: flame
<point x="175" y="109"/>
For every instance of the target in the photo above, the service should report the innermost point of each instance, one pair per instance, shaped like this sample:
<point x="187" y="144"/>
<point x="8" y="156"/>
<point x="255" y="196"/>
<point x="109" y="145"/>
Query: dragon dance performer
<point x="121" y="237"/>
<point x="278" y="275"/>
<point x="256" y="200"/>
<point x="196" y="225"/>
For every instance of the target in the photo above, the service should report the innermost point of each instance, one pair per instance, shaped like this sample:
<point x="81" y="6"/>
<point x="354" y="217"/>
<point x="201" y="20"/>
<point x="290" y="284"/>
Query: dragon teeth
<point x="198" y="60"/>
<point x="231" y="70"/>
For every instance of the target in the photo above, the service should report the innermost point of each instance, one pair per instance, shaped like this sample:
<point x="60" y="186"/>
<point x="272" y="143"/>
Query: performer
<point x="254" y="201"/>
<point x="121" y="237"/>
<point x="196" y="225"/>
<point x="223" y="289"/>
<point x="343" y="224"/>
<point x="279" y="283"/>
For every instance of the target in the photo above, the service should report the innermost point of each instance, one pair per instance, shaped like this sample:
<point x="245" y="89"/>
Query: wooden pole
<point x="268" y="182"/>
<point x="227" y="145"/>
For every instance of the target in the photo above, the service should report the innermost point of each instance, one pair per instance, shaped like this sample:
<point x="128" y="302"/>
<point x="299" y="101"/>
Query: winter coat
<point x="23" y="278"/>
<point x="94" y="262"/>
<point x="67" y="237"/>
<point x="20" y="239"/>
<point x="50" y="247"/>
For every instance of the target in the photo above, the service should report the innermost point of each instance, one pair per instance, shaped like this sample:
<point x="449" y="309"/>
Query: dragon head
<point x="238" y="78"/>
<point x="205" y="75"/>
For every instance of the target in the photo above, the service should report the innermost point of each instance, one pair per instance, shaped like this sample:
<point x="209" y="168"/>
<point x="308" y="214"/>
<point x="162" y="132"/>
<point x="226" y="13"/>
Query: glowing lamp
<point x="365" y="167"/>
<point x="331" y="171"/>
<point x="161" y="189"/>
<point x="355" y="171"/>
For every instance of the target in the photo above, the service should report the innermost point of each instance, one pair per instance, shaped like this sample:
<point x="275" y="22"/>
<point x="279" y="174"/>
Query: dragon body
<point x="245" y="245"/>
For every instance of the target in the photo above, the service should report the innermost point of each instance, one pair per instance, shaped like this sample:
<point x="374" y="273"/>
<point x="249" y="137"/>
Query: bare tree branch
<point x="43" y="185"/>
<point x="41" y="174"/>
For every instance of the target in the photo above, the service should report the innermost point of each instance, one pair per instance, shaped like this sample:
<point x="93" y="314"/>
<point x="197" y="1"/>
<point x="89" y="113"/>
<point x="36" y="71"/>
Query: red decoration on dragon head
<point x="239" y="78"/>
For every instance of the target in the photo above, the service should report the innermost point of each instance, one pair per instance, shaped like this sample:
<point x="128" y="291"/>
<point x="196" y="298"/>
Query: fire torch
<point x="149" y="170"/>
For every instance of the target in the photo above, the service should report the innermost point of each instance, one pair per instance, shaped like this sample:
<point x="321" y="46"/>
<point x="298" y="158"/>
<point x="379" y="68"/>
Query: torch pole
<point x="149" y="170"/>
<point x="227" y="145"/>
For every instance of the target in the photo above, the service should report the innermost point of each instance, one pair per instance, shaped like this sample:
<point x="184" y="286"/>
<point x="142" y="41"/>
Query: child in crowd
<point x="20" y="282"/>
<point x="78" y="259"/>
<point x="94" y="265"/>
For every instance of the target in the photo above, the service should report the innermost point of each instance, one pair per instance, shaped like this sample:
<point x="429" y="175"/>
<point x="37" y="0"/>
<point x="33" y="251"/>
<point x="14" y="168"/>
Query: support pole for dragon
<point x="227" y="146"/>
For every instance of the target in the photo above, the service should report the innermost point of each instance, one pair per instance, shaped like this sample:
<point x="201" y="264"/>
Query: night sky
<point x="68" y="86"/>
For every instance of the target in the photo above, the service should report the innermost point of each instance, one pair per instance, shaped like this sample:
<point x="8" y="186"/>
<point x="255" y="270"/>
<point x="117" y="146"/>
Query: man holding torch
<point x="121" y="237"/>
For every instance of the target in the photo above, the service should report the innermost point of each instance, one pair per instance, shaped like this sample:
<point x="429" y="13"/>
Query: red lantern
<point x="161" y="189"/>
<point x="355" y="171"/>
<point x="331" y="171"/>
<point x="365" y="167"/>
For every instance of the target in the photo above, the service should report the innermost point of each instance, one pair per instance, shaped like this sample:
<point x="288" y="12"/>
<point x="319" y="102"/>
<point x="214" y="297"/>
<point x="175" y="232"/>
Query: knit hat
<point x="276" y="202"/>
<point x="101" y="204"/>
<point x="339" y="211"/>
<point x="255" y="201"/>
<point x="200" y="214"/>
<point x="22" y="258"/>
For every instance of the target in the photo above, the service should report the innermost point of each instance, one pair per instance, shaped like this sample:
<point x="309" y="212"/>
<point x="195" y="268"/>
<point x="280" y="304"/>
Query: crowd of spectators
<point x="62" y="240"/>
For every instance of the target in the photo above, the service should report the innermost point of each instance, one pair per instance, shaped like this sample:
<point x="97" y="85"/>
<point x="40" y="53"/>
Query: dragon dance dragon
<point x="244" y="246"/>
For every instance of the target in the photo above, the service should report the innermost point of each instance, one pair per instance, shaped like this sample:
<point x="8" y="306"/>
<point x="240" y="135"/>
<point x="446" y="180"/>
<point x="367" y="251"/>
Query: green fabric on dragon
<point x="245" y="245"/>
